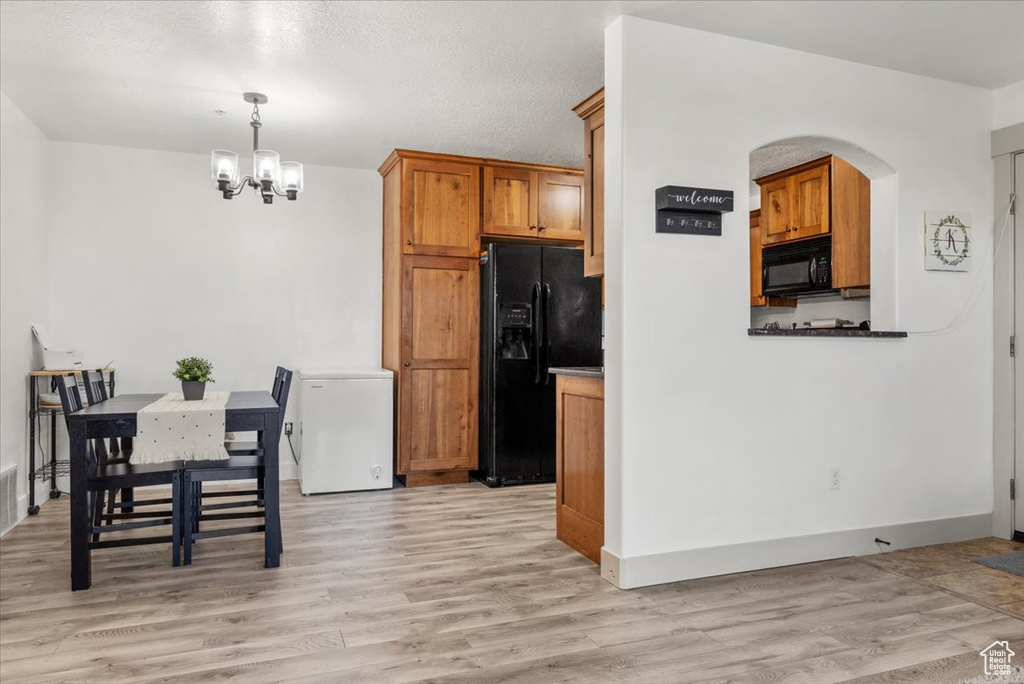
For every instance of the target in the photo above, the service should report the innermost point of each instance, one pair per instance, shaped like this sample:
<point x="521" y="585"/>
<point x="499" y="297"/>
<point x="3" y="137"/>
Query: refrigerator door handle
<point x="547" y="331"/>
<point x="535" y="341"/>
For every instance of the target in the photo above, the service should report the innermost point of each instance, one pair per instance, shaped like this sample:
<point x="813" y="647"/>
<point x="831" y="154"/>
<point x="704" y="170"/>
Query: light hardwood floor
<point x="464" y="584"/>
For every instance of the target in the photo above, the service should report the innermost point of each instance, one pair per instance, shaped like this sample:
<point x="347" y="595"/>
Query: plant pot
<point x="193" y="390"/>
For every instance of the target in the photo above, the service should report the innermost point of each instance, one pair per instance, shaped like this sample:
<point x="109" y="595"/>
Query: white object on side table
<point x="345" y="430"/>
<point x="55" y="359"/>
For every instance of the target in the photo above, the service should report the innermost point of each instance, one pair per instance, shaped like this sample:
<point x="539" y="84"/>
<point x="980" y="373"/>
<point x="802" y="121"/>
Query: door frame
<point x="1006" y="143"/>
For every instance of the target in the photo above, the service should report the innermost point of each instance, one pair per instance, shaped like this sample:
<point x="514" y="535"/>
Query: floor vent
<point x="8" y="499"/>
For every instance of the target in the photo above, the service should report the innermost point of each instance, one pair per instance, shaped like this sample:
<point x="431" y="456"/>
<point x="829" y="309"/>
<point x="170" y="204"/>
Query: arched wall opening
<point x="881" y="307"/>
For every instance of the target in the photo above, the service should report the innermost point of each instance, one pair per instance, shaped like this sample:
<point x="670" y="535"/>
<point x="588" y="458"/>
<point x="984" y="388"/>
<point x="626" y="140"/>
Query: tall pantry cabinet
<point x="431" y="314"/>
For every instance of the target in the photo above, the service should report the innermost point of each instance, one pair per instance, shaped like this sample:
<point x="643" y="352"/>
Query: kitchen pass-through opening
<point x="822" y="236"/>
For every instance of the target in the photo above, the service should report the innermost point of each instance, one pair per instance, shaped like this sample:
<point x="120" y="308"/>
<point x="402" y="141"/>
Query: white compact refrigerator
<point x="345" y="428"/>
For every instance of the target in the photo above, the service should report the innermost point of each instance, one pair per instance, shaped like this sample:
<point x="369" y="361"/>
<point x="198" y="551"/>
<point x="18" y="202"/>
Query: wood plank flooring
<point x="459" y="583"/>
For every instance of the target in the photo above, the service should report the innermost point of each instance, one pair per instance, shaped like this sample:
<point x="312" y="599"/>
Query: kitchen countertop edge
<point x="828" y="332"/>
<point x="578" y="372"/>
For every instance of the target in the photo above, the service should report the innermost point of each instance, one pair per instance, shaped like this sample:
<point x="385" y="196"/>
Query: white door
<point x="1017" y="226"/>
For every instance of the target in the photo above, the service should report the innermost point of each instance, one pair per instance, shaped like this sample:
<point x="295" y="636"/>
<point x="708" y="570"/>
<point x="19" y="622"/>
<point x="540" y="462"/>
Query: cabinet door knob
<point x="788" y="229"/>
<point x="540" y="228"/>
<point x="408" y="242"/>
<point x="533" y="227"/>
<point x="407" y="363"/>
<point x="796" y="228"/>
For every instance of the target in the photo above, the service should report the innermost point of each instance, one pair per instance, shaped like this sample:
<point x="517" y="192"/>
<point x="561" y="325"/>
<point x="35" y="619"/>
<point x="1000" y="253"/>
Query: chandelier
<point x="270" y="176"/>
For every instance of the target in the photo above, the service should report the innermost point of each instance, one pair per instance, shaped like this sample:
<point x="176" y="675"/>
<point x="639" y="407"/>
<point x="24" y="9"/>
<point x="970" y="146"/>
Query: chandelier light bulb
<point x="292" y="181"/>
<point x="267" y="166"/>
<point x="224" y="166"/>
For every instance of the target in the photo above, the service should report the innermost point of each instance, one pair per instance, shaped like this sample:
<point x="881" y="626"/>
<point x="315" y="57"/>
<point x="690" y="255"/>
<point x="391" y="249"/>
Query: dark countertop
<point x="827" y="332"/>
<point x="579" y="372"/>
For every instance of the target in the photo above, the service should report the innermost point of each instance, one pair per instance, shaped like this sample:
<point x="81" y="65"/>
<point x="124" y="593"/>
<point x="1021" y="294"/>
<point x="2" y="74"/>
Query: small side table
<point x="36" y="408"/>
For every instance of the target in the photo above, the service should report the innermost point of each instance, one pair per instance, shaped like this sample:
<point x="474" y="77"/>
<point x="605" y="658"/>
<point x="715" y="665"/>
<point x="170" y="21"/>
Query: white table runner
<point x="172" y="429"/>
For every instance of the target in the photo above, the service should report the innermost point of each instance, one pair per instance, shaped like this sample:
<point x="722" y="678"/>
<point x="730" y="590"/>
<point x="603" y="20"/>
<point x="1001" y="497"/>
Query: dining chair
<point x="107" y="475"/>
<point x="245" y="462"/>
<point x="235" y="447"/>
<point x="108" y="452"/>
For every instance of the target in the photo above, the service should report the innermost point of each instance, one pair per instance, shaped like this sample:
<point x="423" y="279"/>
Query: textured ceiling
<point x="349" y="81"/>
<point x="768" y="160"/>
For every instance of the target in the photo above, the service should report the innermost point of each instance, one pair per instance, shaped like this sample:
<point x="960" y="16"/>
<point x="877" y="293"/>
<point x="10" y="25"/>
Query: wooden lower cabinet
<point x="579" y="468"/>
<point x="439" y="425"/>
<point x="438" y="377"/>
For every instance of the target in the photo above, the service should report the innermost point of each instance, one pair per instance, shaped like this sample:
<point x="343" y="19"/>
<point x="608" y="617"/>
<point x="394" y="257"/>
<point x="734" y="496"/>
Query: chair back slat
<point x="70" y="396"/>
<point x="96" y="392"/>
<point x="282" y="385"/>
<point x="71" y="402"/>
<point x="95" y="387"/>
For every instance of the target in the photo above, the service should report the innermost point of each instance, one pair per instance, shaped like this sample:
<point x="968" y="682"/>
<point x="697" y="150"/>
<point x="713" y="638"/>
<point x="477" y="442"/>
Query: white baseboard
<point x="641" y="571"/>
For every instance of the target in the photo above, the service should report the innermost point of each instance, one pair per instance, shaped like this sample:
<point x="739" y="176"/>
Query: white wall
<point x="149" y="264"/>
<point x="724" y="442"/>
<point x="1008" y="105"/>
<point x="23" y="263"/>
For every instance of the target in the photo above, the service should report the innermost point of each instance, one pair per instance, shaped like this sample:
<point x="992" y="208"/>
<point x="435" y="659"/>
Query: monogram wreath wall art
<point x="947" y="241"/>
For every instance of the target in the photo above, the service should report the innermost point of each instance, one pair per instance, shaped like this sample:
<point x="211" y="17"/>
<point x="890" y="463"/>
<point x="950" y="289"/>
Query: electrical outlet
<point x="375" y="472"/>
<point x="287" y="428"/>
<point x="833" y="478"/>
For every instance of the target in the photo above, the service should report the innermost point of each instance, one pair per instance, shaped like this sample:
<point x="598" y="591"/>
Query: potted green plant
<point x="194" y="373"/>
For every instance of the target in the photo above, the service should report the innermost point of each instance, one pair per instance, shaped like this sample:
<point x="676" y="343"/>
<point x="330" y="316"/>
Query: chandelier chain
<point x="256" y="112"/>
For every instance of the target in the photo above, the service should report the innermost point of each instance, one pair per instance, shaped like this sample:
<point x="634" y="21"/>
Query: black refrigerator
<point x="537" y="312"/>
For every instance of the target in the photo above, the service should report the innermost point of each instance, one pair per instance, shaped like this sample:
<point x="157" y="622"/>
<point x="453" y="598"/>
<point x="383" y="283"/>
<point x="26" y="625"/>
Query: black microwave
<point x="803" y="267"/>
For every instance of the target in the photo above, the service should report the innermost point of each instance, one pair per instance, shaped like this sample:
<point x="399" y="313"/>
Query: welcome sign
<point x="691" y="211"/>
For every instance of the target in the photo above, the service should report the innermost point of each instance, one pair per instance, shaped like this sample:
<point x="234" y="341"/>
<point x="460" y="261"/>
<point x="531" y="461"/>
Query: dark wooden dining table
<point x="117" y="417"/>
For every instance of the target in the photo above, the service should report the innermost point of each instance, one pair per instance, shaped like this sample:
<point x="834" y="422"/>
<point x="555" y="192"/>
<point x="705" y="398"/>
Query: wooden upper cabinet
<point x="811" y="208"/>
<point x="520" y="202"/>
<point x="851" y="226"/>
<point x="440" y="357"/>
<point x="776" y="215"/>
<point x="591" y="111"/>
<point x="441" y="208"/>
<point x="510" y="202"/>
<point x="560" y="206"/>
<point x="795" y="203"/>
